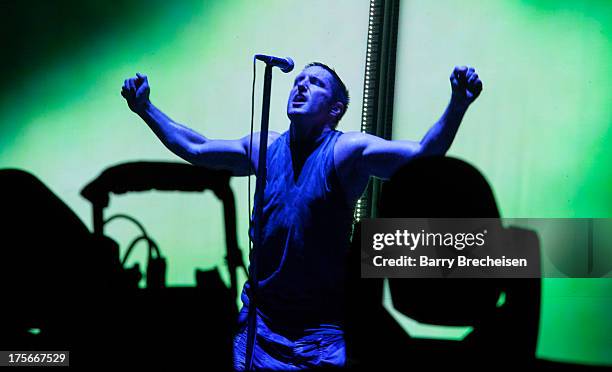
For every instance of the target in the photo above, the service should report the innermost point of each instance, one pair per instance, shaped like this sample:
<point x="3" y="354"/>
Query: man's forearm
<point x="176" y="137"/>
<point x="440" y="136"/>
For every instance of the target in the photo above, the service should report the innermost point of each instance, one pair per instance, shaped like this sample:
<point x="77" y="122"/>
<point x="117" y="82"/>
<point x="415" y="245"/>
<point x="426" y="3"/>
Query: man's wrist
<point x="460" y="104"/>
<point x="143" y="108"/>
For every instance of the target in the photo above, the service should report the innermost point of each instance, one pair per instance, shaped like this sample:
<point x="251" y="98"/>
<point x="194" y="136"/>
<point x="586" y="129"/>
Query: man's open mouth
<point x="299" y="100"/>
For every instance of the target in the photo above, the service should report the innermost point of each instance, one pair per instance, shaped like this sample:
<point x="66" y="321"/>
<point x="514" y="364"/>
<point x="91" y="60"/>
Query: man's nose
<point x="301" y="87"/>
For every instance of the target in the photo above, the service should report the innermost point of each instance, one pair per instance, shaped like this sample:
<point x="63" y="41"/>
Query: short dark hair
<point x="340" y="93"/>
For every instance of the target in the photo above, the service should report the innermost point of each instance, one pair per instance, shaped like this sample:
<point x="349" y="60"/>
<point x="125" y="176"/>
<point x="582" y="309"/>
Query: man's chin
<point x="296" y="114"/>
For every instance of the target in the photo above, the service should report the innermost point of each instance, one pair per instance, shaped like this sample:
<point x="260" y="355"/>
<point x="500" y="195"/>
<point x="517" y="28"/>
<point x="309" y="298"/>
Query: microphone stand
<point x="258" y="212"/>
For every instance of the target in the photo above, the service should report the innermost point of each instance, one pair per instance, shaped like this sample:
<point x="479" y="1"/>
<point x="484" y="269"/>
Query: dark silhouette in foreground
<point x="440" y="187"/>
<point x="73" y="287"/>
<point x="70" y="289"/>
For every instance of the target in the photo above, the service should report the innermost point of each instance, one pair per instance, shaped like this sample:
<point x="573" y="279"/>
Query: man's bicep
<point x="231" y="155"/>
<point x="222" y="154"/>
<point x="251" y="147"/>
<point x="382" y="158"/>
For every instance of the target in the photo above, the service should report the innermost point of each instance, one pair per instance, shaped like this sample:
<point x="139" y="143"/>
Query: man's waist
<point x="301" y="311"/>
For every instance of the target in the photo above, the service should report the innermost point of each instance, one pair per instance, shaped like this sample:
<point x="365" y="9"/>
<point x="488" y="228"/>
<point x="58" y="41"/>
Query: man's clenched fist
<point x="465" y="84"/>
<point x="136" y="91"/>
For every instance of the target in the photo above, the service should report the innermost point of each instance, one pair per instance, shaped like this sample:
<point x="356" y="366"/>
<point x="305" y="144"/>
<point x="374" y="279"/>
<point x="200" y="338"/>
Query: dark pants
<point x="314" y="347"/>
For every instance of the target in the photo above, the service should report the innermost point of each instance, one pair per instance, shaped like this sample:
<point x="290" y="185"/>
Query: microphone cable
<point x="249" y="355"/>
<point x="250" y="153"/>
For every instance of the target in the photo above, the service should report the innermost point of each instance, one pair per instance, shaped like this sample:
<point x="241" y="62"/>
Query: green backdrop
<point x="65" y="121"/>
<point x="540" y="131"/>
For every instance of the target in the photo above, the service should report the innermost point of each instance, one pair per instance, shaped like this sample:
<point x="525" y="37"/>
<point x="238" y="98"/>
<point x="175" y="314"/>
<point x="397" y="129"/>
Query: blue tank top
<point x="306" y="227"/>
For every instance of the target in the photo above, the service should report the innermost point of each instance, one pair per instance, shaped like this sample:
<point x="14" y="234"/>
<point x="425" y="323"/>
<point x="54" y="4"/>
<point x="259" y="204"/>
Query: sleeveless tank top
<point x="306" y="229"/>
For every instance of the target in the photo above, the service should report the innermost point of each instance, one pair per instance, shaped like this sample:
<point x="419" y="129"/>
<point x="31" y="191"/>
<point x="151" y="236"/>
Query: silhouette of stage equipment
<point x="160" y="325"/>
<point x="45" y="266"/>
<point x="502" y="335"/>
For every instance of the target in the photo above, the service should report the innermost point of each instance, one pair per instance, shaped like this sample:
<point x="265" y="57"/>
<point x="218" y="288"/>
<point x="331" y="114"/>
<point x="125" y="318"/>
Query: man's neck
<point x="305" y="136"/>
<point x="303" y="140"/>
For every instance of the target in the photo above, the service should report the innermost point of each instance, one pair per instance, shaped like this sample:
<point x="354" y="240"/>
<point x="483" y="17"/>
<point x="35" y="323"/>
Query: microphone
<point x="285" y="64"/>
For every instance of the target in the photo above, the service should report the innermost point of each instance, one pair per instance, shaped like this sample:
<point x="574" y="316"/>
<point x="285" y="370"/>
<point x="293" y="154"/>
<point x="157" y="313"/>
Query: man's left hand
<point x="465" y="84"/>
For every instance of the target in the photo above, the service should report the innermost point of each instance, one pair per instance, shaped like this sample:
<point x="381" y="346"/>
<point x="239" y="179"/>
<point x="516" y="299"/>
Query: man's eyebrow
<point x="318" y="80"/>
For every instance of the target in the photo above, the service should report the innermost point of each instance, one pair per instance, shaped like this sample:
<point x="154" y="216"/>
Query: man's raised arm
<point x="382" y="158"/>
<point x="466" y="87"/>
<point x="186" y="143"/>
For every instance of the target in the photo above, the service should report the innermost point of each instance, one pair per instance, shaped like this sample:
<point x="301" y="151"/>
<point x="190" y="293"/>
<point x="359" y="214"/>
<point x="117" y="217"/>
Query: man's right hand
<point x="136" y="91"/>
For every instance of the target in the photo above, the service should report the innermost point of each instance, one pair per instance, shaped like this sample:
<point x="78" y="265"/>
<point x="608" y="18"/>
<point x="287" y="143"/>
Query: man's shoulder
<point x="351" y="140"/>
<point x="351" y="144"/>
<point x="348" y="149"/>
<point x="347" y="154"/>
<point x="272" y="136"/>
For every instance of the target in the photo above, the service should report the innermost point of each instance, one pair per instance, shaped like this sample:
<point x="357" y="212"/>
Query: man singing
<point x="315" y="176"/>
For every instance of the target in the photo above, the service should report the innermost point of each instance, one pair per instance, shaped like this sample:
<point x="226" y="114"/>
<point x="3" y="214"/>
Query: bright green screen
<point x="66" y="121"/>
<point x="540" y="132"/>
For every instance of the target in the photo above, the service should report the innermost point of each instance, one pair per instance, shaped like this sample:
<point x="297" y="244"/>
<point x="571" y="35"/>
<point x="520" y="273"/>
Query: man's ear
<point x="337" y="109"/>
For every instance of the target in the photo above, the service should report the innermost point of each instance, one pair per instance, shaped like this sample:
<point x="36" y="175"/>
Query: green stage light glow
<point x="540" y="131"/>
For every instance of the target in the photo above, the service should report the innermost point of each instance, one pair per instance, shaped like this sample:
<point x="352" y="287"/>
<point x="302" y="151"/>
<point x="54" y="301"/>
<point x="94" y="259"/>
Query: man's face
<point x="311" y="96"/>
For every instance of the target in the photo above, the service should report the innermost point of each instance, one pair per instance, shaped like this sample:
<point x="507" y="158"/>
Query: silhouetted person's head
<point x="318" y="97"/>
